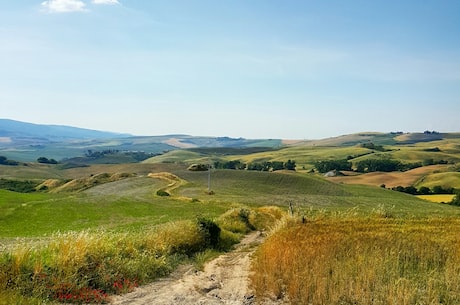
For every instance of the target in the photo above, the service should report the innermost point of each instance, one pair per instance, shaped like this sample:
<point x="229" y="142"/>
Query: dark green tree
<point x="424" y="190"/>
<point x="290" y="165"/>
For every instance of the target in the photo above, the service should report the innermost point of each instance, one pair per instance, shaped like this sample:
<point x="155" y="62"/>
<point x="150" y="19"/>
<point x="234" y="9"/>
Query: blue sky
<point x="241" y="68"/>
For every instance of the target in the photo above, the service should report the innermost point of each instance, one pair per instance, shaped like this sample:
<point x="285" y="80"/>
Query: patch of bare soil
<point x="224" y="280"/>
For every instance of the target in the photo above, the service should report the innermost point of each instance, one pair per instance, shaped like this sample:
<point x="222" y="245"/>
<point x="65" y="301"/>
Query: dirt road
<point x="224" y="280"/>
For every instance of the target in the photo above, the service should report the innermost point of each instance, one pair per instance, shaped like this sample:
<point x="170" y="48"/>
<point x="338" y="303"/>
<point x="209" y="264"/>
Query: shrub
<point x="162" y="193"/>
<point x="210" y="231"/>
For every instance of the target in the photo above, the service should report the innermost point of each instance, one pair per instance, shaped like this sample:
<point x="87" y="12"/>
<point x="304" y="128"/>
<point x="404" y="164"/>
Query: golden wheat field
<point x="361" y="261"/>
<point x="439" y="198"/>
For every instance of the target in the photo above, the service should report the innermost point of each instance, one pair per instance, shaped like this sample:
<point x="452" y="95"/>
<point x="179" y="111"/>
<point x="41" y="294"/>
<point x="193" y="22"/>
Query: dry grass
<point x="361" y="261"/>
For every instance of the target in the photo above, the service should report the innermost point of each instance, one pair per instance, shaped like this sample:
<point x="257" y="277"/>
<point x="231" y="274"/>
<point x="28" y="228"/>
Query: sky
<point x="290" y="69"/>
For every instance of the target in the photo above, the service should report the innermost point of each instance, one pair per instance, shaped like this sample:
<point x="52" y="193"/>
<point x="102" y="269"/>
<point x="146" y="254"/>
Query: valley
<point x="93" y="226"/>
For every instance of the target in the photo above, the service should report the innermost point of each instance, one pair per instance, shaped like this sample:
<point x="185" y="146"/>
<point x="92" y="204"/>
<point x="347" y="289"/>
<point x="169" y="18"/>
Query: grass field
<point x="132" y="202"/>
<point x="32" y="215"/>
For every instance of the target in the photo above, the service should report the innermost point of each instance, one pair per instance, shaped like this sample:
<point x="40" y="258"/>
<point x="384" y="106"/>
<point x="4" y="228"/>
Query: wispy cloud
<point x="64" y="6"/>
<point x="105" y="2"/>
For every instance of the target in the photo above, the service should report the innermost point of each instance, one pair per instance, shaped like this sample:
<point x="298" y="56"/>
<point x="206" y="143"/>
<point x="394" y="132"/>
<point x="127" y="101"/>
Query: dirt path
<point x="224" y="280"/>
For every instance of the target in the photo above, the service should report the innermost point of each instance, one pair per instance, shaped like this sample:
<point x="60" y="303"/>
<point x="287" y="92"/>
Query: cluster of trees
<point x="233" y="164"/>
<point x="384" y="165"/>
<point x="45" y="160"/>
<point x="99" y="154"/>
<point x="17" y="185"/>
<point x="325" y="166"/>
<point x="136" y="155"/>
<point x="433" y="162"/>
<point x="257" y="166"/>
<point x="430" y="132"/>
<point x="272" y="165"/>
<point x="365" y="166"/>
<point x="372" y="146"/>
<point x="423" y="190"/>
<point x="5" y="161"/>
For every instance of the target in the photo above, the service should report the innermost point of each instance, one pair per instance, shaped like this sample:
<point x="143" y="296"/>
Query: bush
<point x="162" y="193"/>
<point x="210" y="231"/>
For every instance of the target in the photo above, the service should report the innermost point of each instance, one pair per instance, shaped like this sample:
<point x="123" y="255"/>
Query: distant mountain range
<point x="26" y="141"/>
<point x="49" y="133"/>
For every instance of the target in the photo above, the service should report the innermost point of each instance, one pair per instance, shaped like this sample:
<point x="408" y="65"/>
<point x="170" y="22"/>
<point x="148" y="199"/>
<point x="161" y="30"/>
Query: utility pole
<point x="209" y="178"/>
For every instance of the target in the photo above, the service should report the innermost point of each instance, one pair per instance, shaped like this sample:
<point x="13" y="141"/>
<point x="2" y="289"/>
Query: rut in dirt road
<point x="224" y="280"/>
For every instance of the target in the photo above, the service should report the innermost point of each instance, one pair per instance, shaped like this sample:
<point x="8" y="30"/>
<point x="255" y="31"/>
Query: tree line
<point x="371" y="165"/>
<point x="427" y="191"/>
<point x="5" y="161"/>
<point x="423" y="190"/>
<point x="256" y="166"/>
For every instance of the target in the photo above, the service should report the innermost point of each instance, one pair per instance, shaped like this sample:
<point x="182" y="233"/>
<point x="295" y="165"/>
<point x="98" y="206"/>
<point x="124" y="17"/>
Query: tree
<point x="290" y="165"/>
<point x="424" y="190"/>
<point x="410" y="190"/>
<point x="456" y="200"/>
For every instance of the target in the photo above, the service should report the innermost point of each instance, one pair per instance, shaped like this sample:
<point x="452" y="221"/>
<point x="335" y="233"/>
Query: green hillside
<point x="132" y="203"/>
<point x="446" y="180"/>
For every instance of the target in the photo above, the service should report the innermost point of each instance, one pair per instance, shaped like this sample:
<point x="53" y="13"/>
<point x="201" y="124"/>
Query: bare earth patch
<point x="224" y="280"/>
